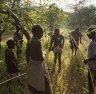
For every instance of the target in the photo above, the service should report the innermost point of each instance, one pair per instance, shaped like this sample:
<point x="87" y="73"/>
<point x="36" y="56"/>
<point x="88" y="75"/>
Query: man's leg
<point x="55" y="58"/>
<point x="72" y="51"/>
<point x="72" y="48"/>
<point x="47" y="86"/>
<point x="76" y="47"/>
<point x="59" y="61"/>
<point x="90" y="83"/>
<point x="55" y="61"/>
<point x="75" y="51"/>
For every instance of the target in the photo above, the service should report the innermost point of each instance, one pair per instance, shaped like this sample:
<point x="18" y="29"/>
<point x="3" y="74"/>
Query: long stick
<point x="16" y="19"/>
<point x="12" y="78"/>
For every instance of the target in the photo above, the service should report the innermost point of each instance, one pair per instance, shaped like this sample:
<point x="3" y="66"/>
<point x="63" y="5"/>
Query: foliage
<point x="71" y="80"/>
<point x="84" y="17"/>
<point x="54" y="17"/>
<point x="48" y="16"/>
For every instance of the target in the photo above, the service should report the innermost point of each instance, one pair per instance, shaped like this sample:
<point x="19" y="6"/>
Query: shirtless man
<point x="11" y="61"/>
<point x="75" y="39"/>
<point x="18" y="38"/>
<point x="58" y="42"/>
<point x="38" y="81"/>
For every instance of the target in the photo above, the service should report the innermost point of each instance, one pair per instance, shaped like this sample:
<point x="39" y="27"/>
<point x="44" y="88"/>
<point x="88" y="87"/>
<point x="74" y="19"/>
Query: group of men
<point x="35" y="59"/>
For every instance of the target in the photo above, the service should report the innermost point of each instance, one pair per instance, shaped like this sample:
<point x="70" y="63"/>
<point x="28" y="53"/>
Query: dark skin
<point x="34" y="51"/>
<point x="91" y="78"/>
<point x="18" y="38"/>
<point x="13" y="61"/>
<point x="24" y="31"/>
<point x="12" y="57"/>
<point x="56" y="41"/>
<point x="92" y="37"/>
<point x="75" y="39"/>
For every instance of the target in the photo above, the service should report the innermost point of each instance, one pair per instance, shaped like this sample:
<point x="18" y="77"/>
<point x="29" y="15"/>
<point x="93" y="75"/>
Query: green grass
<point x="71" y="80"/>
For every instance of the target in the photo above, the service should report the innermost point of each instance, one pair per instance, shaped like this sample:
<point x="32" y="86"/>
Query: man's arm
<point x="27" y="53"/>
<point x="39" y="51"/>
<point x="63" y="41"/>
<point x="89" y="59"/>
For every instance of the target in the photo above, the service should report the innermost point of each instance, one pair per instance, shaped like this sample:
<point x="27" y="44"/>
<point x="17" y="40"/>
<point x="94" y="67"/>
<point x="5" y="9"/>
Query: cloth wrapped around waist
<point x="57" y="50"/>
<point x="36" y="75"/>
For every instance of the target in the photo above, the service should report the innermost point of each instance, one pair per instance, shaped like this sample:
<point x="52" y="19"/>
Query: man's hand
<point x="44" y="54"/>
<point x="85" y="61"/>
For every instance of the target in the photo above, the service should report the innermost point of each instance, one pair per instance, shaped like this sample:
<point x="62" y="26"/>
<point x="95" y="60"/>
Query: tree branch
<point x="14" y="16"/>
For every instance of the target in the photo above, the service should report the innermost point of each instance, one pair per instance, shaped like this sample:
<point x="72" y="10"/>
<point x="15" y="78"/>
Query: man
<point x="11" y="61"/>
<point x="58" y="42"/>
<point x="91" y="61"/>
<point x="75" y="39"/>
<point x="18" y="38"/>
<point x="37" y="79"/>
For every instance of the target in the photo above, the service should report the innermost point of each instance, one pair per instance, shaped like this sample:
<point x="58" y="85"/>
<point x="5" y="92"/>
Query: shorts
<point x="57" y="50"/>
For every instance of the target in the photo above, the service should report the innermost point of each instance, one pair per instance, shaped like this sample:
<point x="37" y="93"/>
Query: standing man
<point x="56" y="44"/>
<point x="91" y="61"/>
<point x="11" y="61"/>
<point x="37" y="78"/>
<point x="18" y="38"/>
<point x="75" y="39"/>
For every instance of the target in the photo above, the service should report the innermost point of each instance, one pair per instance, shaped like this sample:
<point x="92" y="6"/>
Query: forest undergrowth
<point x="72" y="78"/>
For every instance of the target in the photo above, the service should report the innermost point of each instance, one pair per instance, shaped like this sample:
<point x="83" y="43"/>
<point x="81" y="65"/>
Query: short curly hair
<point x="37" y="31"/>
<point x="10" y="43"/>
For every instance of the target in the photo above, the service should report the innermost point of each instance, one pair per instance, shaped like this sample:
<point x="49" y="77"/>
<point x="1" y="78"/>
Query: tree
<point x="85" y="16"/>
<point x="54" y="16"/>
